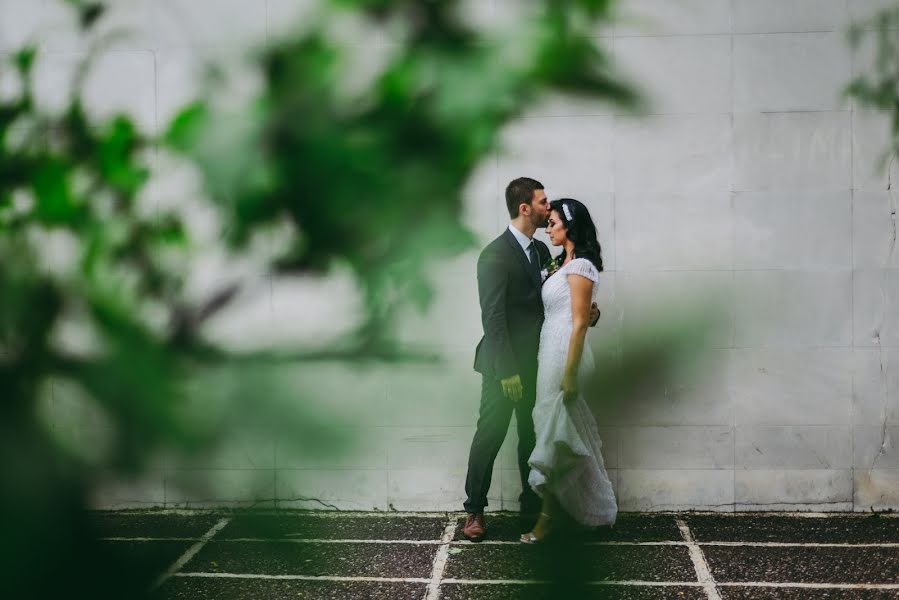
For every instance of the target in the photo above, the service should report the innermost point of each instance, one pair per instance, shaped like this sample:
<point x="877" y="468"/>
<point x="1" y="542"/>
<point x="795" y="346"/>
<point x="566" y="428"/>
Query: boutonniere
<point x="549" y="267"/>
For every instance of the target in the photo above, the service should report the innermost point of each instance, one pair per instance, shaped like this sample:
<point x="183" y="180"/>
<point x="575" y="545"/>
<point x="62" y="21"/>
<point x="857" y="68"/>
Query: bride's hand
<point x="569" y="388"/>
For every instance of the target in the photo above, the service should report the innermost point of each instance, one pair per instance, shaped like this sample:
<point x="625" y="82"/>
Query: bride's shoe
<point x="530" y="537"/>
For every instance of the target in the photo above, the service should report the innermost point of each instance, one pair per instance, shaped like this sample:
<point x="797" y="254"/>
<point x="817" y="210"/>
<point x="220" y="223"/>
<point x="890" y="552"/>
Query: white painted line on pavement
<point x="429" y="581"/>
<point x="801" y="544"/>
<point x="509" y="543"/>
<point x="150" y="539"/>
<point x="268" y="512"/>
<point x="190" y="553"/>
<point x="280" y="540"/>
<point x="305" y="577"/>
<point x="813" y="586"/>
<point x="193" y="512"/>
<point x="688" y="544"/>
<point x="535" y="581"/>
<point x="631" y="583"/>
<point x="441" y="559"/>
<point x="703" y="574"/>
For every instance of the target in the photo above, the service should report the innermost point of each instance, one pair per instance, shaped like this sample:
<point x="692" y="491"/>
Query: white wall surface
<point x="751" y="175"/>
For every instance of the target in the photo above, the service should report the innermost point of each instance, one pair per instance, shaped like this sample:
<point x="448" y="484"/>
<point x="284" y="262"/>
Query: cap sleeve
<point x="584" y="268"/>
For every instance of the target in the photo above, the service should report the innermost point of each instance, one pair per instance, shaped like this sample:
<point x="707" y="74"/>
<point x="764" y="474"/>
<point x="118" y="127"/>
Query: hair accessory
<point x="567" y="212"/>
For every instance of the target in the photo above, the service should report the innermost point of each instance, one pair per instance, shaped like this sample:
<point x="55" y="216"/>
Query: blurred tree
<point x="370" y="178"/>
<point x="877" y="86"/>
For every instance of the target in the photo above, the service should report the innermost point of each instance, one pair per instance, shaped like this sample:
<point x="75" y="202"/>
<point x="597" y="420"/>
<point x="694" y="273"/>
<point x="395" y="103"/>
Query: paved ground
<point x="203" y="555"/>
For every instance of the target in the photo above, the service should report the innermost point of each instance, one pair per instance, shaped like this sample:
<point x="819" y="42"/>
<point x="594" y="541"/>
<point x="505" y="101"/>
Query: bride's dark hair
<point x="580" y="229"/>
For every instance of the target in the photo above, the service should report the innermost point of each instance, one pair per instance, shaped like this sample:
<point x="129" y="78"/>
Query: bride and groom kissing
<point x="533" y="359"/>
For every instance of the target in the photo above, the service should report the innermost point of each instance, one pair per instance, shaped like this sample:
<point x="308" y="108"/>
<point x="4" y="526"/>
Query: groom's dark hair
<point x="520" y="191"/>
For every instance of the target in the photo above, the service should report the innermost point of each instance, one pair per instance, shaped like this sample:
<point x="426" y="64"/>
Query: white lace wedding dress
<point x="566" y="460"/>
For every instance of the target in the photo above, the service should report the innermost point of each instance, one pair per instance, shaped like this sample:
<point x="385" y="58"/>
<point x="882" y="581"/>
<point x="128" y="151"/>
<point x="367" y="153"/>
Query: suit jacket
<point x="511" y="309"/>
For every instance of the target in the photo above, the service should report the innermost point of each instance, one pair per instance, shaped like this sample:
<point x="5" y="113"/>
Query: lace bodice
<point x="556" y="294"/>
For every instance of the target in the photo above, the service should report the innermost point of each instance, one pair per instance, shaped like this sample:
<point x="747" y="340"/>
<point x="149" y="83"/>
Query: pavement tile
<point x="803" y="564"/>
<point x="596" y="563"/>
<point x="155" y="525"/>
<point x="140" y="563"/>
<point x="545" y="592"/>
<point x="286" y="558"/>
<point x="757" y="593"/>
<point x="847" y="529"/>
<point x="332" y="527"/>
<point x="628" y="528"/>
<point x="204" y="588"/>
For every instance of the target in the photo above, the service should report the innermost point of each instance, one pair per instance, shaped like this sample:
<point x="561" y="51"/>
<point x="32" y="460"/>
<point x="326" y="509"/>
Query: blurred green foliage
<point x="875" y="42"/>
<point x="372" y="178"/>
<point x="369" y="179"/>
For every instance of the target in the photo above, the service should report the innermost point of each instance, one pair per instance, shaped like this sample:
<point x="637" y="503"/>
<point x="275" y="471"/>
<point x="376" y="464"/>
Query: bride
<point x="567" y="468"/>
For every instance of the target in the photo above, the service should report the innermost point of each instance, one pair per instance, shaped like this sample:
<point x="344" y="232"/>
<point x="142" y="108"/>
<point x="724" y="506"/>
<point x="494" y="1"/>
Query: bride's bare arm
<point x="581" y="295"/>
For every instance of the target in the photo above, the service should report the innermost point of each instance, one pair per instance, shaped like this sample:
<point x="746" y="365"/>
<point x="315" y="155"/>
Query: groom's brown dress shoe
<point x="474" y="527"/>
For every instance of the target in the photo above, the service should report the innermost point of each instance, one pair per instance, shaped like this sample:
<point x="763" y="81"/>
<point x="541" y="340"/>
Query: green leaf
<point x="171" y="231"/>
<point x="187" y="126"/>
<point x="24" y="60"/>
<point x="116" y="151"/>
<point x="54" y="202"/>
<point x="90" y="13"/>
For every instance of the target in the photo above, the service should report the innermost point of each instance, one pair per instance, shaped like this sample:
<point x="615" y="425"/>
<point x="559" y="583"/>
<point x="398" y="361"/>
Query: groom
<point x="509" y="281"/>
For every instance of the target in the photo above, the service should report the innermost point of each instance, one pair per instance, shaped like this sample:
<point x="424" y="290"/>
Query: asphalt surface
<point x="336" y="560"/>
<point x="223" y="589"/>
<point x="546" y="592"/>
<point x="844" y="529"/>
<point x="339" y="528"/>
<point x="316" y="555"/>
<point x="604" y="563"/>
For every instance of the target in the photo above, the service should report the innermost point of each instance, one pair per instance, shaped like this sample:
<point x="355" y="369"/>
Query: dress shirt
<point x="524" y="240"/>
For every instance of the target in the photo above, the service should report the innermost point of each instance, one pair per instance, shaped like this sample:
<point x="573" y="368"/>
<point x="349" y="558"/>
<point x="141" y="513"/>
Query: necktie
<point x="535" y="262"/>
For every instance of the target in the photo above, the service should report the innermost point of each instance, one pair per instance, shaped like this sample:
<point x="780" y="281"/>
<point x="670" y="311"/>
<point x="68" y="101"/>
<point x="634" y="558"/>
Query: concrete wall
<point x="751" y="177"/>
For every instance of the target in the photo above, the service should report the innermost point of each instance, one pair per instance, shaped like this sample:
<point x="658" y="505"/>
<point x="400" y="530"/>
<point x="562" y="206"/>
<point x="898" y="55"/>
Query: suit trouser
<point x="493" y="423"/>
